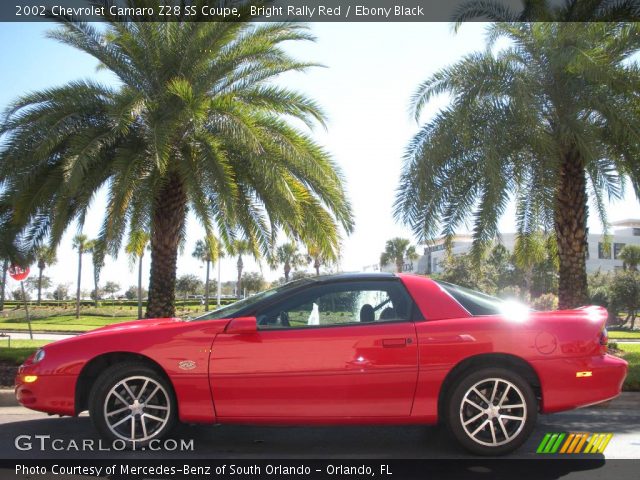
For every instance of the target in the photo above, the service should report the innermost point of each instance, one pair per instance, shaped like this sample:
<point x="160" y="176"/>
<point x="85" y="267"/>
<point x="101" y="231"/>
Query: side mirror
<point x="242" y="325"/>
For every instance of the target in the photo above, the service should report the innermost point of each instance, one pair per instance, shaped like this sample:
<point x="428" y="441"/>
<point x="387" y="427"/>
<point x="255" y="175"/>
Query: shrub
<point x="546" y="301"/>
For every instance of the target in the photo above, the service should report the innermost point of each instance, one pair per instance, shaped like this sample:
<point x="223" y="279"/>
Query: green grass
<point x="61" y="323"/>
<point x="632" y="355"/>
<point x="48" y="319"/>
<point x="19" y="351"/>
<point x="630" y="347"/>
<point x="624" y="334"/>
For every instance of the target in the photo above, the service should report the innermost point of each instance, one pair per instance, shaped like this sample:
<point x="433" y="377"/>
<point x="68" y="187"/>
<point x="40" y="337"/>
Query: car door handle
<point x="395" y="342"/>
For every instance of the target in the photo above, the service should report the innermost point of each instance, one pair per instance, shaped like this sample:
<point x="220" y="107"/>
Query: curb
<point x="625" y="401"/>
<point x="8" y="398"/>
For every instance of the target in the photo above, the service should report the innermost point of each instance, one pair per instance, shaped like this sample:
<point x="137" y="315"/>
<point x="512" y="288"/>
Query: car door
<point x="340" y="349"/>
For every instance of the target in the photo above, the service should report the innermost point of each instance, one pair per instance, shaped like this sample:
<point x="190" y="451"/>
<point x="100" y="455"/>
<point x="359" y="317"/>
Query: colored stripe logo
<point x="574" y="443"/>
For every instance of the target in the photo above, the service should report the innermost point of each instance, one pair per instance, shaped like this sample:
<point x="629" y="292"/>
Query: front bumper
<point x="53" y="394"/>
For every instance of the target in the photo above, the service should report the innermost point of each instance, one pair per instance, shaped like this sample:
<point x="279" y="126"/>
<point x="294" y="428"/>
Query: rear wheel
<point x="492" y="411"/>
<point x="132" y="403"/>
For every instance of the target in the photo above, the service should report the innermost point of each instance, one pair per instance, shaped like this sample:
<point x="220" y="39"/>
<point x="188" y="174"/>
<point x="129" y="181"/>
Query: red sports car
<point x="343" y="349"/>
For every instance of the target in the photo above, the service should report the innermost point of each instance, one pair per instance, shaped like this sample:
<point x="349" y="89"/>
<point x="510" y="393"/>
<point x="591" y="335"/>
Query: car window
<point x="247" y="304"/>
<point x="340" y="304"/>
<point x="475" y="303"/>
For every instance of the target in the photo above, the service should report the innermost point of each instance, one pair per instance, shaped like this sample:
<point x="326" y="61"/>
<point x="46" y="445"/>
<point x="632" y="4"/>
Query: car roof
<point x="352" y="276"/>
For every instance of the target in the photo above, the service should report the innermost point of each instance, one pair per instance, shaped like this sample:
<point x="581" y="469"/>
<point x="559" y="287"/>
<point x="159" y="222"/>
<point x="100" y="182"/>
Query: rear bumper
<point x="579" y="382"/>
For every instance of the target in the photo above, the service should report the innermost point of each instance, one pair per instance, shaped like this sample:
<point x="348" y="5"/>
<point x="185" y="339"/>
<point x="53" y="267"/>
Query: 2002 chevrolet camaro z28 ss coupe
<point x="343" y="349"/>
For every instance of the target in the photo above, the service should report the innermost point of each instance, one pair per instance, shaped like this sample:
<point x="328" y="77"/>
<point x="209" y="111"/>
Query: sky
<point x="370" y="72"/>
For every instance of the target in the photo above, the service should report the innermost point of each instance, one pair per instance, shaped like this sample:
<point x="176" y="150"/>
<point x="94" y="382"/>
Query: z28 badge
<point x="187" y="365"/>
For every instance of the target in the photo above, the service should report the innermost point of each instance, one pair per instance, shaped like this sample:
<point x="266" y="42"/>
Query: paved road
<point x="319" y="442"/>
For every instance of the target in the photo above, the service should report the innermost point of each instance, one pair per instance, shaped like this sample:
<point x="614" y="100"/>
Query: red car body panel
<point x="388" y="372"/>
<point x="353" y="371"/>
<point x="166" y="342"/>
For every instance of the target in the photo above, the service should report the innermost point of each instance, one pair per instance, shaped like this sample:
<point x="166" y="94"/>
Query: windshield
<point x="246" y="304"/>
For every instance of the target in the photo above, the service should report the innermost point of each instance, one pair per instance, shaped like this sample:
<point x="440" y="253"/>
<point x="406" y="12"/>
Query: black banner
<point x="534" y="468"/>
<point x="298" y="10"/>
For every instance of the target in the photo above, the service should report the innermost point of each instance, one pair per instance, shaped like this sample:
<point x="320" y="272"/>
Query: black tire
<point x="132" y="378"/>
<point x="491" y="433"/>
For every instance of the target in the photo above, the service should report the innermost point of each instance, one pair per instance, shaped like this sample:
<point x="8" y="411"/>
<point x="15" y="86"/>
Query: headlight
<point x="39" y="356"/>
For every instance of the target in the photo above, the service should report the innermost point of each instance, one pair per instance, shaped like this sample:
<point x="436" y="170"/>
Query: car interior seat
<point x="388" y="313"/>
<point x="367" y="314"/>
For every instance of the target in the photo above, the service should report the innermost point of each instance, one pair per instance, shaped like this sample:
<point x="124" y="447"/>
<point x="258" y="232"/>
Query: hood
<point x="141" y="329"/>
<point x="125" y="327"/>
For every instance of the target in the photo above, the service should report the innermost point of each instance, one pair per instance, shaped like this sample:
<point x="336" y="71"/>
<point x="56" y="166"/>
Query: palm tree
<point x="288" y="255"/>
<point x="314" y="254"/>
<point x="207" y="251"/>
<point x="239" y="247"/>
<point x="82" y="244"/>
<point x="544" y="11"/>
<point x="630" y="255"/>
<point x="44" y="256"/>
<point x="397" y="250"/>
<point x="138" y="243"/>
<point x="97" y="250"/>
<point x="546" y="120"/>
<point x="532" y="250"/>
<point x="195" y="123"/>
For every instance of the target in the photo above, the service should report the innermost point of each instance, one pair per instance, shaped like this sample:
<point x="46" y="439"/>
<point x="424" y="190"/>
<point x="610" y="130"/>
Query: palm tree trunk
<point x="399" y="265"/>
<point x="287" y="269"/>
<point x="528" y="273"/>
<point x="167" y="221"/>
<point x="239" y="284"/>
<point x="96" y="281"/>
<point x="140" y="285"/>
<point x="206" y="288"/>
<point x="316" y="265"/>
<point x="40" y="270"/>
<point x="5" y="269"/>
<point x="79" y="278"/>
<point x="570" y="219"/>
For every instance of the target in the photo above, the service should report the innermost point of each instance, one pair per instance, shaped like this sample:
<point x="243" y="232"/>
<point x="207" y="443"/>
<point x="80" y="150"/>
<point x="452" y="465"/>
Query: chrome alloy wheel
<point x="493" y="412"/>
<point x="137" y="408"/>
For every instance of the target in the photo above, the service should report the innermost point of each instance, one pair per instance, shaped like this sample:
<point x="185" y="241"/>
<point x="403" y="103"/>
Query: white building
<point x="622" y="233"/>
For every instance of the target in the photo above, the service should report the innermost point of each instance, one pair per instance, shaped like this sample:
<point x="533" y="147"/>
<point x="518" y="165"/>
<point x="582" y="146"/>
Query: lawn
<point x="47" y="319"/>
<point x="613" y="334"/>
<point x="632" y="355"/>
<point x="61" y="323"/>
<point x="19" y="351"/>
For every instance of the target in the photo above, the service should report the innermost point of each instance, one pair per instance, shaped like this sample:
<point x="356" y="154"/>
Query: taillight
<point x="604" y="340"/>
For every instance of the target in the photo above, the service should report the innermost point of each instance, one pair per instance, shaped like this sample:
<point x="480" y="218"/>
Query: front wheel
<point x="492" y="411"/>
<point x="132" y="403"/>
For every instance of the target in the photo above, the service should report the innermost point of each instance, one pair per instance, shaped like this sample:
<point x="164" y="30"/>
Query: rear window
<point x="475" y="303"/>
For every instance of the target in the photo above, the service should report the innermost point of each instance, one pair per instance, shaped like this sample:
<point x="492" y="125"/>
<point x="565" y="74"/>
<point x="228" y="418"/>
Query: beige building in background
<point x="622" y="233"/>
